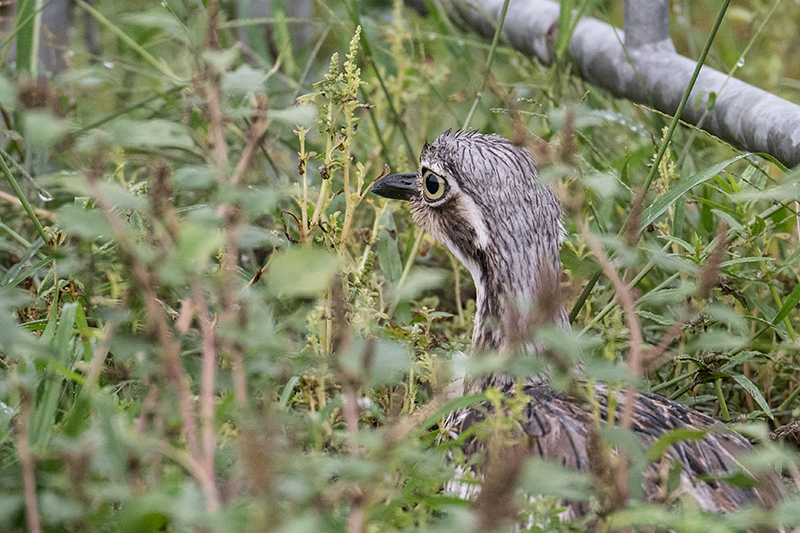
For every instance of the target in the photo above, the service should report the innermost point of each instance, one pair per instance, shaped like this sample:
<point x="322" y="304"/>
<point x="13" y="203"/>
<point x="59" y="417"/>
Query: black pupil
<point x="433" y="185"/>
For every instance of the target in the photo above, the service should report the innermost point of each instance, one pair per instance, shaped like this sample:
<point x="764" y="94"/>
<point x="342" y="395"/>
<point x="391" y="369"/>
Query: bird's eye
<point x="434" y="186"/>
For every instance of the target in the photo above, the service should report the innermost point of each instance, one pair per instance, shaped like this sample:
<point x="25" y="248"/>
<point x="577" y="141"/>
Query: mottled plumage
<point x="479" y="195"/>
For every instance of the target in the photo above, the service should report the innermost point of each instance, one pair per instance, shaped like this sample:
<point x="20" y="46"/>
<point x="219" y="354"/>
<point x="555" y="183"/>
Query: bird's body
<point x="480" y="196"/>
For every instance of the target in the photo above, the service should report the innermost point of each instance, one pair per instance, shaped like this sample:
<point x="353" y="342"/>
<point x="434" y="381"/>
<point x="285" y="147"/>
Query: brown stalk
<point x="212" y="35"/>
<point x="709" y="275"/>
<point x="495" y="505"/>
<point x="159" y="326"/>
<point x="355" y="522"/>
<point x="208" y="370"/>
<point x="231" y="313"/>
<point x="28" y="464"/>
<point x="398" y="430"/>
<point x="258" y="129"/>
<point x="219" y="147"/>
<point x="41" y="213"/>
<point x="340" y="343"/>
<point x="626" y="298"/>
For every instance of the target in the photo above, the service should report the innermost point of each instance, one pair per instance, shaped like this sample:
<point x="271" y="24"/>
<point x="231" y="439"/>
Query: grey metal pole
<point x="646" y="22"/>
<point x="650" y="73"/>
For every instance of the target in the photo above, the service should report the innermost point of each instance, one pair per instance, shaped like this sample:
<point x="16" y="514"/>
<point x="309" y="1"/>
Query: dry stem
<point x="158" y="323"/>
<point x="41" y="213"/>
<point x="355" y="522"/>
<point x="207" y="380"/>
<point x="634" y="354"/>
<point x="258" y="129"/>
<point x="28" y="464"/>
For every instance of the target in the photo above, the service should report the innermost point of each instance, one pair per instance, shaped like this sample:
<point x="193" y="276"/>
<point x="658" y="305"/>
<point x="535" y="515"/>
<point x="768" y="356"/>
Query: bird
<point x="480" y="195"/>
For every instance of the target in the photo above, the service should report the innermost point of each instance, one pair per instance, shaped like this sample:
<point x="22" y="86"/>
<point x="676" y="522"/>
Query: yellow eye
<point x="434" y="186"/>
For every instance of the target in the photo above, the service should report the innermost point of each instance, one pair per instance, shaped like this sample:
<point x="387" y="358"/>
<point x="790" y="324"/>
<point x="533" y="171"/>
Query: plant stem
<point x="379" y="211"/>
<point x="304" y="176"/>
<point x="489" y="61"/>
<point x="777" y="299"/>
<point x="680" y="392"/>
<point x="22" y="199"/>
<point x="676" y="118"/>
<point x="721" y="399"/>
<point x="323" y="190"/>
<point x="28" y="464"/>
<point x="349" y="207"/>
<point x="671" y="382"/>
<point x="789" y="399"/>
<point x="207" y="400"/>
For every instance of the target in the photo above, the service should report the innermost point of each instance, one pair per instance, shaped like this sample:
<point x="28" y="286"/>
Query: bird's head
<point x="480" y="196"/>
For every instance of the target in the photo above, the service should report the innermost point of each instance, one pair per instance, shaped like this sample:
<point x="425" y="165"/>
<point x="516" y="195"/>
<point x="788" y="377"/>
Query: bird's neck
<point x="515" y="292"/>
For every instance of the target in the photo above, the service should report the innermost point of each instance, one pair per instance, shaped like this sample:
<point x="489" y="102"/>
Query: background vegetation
<point x="207" y="323"/>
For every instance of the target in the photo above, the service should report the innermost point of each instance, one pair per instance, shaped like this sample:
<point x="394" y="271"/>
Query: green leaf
<point x="676" y="435"/>
<point x="195" y="177"/>
<point x="788" y="305"/>
<point x="379" y="362"/>
<point x="300" y="115"/>
<point x="161" y="18"/>
<point x="56" y="508"/>
<point x="729" y="219"/>
<point x="657" y="208"/>
<point x="389" y="257"/>
<point x="740" y="260"/>
<point x="43" y="129"/>
<point x="748" y="385"/>
<point x="244" y="80"/>
<point x="20" y="271"/>
<point x="449" y="407"/>
<point x="288" y="389"/>
<point x="156" y="133"/>
<point x="87" y="223"/>
<point x="551" y="479"/>
<point x="8" y="94"/>
<point x="658" y="319"/>
<point x="196" y="246"/>
<point x="65" y="330"/>
<point x="302" y="272"/>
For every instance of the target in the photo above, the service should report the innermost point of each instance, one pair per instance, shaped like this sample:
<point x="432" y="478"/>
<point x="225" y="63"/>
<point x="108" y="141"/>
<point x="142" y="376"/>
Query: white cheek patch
<point x="471" y="211"/>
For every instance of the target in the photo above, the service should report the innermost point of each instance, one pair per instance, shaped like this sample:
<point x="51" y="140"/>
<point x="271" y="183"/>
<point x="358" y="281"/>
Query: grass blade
<point x="662" y="203"/>
<point x="27" y="206"/>
<point x="790" y="303"/>
<point x="158" y="65"/>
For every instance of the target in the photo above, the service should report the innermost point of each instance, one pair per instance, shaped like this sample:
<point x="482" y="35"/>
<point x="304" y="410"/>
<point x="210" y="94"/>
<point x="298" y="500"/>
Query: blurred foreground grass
<point x="217" y="329"/>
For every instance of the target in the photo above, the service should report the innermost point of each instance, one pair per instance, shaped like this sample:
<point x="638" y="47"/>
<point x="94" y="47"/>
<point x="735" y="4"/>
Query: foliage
<point x="216" y="327"/>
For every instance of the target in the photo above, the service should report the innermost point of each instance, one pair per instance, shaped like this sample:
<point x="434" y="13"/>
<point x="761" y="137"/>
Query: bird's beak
<point x="396" y="186"/>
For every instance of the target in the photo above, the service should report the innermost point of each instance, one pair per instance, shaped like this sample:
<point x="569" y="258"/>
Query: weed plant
<point x="208" y="324"/>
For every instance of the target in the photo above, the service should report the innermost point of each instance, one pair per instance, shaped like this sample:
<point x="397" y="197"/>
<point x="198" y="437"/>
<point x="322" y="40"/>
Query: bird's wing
<point x="563" y="432"/>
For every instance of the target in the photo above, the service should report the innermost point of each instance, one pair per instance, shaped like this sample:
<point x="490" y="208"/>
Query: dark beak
<point x="396" y="186"/>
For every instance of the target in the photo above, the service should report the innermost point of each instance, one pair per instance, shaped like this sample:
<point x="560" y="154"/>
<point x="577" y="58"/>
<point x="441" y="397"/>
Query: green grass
<point x="224" y="332"/>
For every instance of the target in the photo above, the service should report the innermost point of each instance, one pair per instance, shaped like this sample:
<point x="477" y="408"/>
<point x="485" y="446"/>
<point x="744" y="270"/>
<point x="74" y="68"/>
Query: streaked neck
<point x="515" y="293"/>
